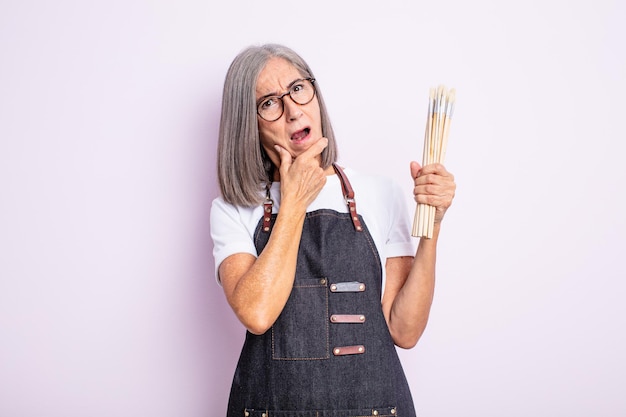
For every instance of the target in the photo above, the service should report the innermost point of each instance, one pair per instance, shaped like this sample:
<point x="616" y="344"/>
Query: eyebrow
<point x="275" y="94"/>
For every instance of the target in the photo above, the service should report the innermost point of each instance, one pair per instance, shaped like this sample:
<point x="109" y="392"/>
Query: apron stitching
<point x="260" y="241"/>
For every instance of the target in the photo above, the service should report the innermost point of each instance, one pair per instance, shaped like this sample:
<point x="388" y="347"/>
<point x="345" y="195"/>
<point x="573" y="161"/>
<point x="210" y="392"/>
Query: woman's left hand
<point x="433" y="185"/>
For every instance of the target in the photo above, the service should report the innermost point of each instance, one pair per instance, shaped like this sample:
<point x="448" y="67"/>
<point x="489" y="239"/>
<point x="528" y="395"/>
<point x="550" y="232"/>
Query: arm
<point x="257" y="289"/>
<point x="410" y="283"/>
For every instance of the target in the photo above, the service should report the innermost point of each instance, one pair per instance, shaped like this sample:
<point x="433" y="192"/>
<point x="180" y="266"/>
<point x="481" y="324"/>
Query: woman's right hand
<point x="257" y="289"/>
<point x="302" y="178"/>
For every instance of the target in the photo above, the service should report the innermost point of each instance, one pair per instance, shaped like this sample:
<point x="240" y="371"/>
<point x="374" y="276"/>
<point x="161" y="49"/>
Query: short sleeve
<point x="399" y="241"/>
<point x="231" y="232"/>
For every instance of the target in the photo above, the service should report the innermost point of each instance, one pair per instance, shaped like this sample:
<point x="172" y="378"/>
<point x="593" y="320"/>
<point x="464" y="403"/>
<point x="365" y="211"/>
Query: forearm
<point x="258" y="288"/>
<point x="411" y="307"/>
<point x="262" y="291"/>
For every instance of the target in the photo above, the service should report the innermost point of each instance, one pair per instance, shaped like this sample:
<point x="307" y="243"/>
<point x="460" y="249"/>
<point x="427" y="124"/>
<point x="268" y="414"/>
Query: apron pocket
<point x="301" y="331"/>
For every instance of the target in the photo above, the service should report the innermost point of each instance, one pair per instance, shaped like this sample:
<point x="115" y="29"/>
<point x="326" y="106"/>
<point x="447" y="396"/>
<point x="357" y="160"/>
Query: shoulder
<point x="225" y="215"/>
<point x="220" y="207"/>
<point x="379" y="199"/>
<point x="375" y="188"/>
<point x="383" y="205"/>
<point x="232" y="229"/>
<point x="373" y="179"/>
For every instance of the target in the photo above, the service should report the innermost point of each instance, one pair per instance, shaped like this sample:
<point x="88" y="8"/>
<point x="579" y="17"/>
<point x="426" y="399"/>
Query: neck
<point x="275" y="173"/>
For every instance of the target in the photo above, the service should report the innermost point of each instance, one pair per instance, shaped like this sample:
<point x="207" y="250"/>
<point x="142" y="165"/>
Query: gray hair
<point x="243" y="167"/>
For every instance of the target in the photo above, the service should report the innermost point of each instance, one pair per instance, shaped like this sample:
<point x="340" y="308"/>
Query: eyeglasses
<point x="301" y="92"/>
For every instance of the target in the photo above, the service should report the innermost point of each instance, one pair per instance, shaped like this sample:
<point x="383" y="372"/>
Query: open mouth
<point x="301" y="134"/>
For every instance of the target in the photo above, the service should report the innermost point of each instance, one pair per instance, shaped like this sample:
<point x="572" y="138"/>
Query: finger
<point x="441" y="202"/>
<point x="285" y="158"/>
<point x="415" y="169"/>
<point x="438" y="169"/>
<point x="434" y="184"/>
<point x="434" y="174"/>
<point x="316" y="149"/>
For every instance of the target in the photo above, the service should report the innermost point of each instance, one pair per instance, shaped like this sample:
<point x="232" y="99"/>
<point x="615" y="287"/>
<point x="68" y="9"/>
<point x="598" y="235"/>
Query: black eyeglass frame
<point x="280" y="98"/>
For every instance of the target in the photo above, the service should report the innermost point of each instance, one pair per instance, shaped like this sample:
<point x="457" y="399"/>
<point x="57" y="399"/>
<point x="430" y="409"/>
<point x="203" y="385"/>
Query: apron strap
<point x="348" y="194"/>
<point x="267" y="209"/>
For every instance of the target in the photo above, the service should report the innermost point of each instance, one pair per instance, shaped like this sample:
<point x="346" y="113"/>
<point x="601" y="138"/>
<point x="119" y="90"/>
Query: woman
<point x="325" y="286"/>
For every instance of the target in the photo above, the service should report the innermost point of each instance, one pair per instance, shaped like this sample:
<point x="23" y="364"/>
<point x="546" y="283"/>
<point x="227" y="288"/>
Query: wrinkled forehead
<point x="276" y="77"/>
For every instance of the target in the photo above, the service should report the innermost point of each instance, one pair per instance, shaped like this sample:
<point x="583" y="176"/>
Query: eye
<point x="296" y="88"/>
<point x="268" y="103"/>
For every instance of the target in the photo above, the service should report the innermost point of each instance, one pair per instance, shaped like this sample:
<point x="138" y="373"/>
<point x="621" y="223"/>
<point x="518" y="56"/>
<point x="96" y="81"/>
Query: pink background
<point x="108" y="120"/>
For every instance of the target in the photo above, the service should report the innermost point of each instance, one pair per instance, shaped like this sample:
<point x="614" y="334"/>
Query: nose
<point x="292" y="109"/>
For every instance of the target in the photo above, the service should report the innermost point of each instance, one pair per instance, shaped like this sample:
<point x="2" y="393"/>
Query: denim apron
<point x="329" y="354"/>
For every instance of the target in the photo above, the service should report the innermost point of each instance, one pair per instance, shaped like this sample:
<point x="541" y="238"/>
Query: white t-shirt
<point x="378" y="200"/>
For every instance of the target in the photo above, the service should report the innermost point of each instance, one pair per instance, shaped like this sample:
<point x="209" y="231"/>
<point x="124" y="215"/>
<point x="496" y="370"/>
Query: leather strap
<point x="347" y="318"/>
<point x="348" y="194"/>
<point x="349" y="350"/>
<point x="352" y="286"/>
<point x="267" y="210"/>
